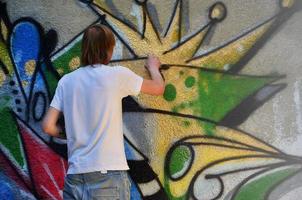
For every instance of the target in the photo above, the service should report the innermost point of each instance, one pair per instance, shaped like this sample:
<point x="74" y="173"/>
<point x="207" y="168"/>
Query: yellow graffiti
<point x="103" y="4"/>
<point x="4" y="30"/>
<point x="2" y="77"/>
<point x="60" y="71"/>
<point x="287" y="3"/>
<point x="25" y="83"/>
<point x="5" y="58"/>
<point x="233" y="52"/>
<point x="30" y="67"/>
<point x="169" y="129"/>
<point x="74" y="63"/>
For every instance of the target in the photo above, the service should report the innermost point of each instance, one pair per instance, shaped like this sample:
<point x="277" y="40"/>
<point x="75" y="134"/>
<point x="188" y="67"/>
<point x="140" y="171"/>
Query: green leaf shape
<point x="260" y="188"/>
<point x="10" y="138"/>
<point x="51" y="79"/>
<point x="219" y="93"/>
<point x="181" y="157"/>
<point x="62" y="61"/>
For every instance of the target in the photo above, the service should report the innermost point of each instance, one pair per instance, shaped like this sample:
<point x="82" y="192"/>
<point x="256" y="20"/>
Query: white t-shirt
<point x="91" y="100"/>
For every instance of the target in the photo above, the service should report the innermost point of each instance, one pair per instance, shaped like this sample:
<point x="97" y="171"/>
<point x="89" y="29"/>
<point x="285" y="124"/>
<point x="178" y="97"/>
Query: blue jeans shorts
<point x="112" y="185"/>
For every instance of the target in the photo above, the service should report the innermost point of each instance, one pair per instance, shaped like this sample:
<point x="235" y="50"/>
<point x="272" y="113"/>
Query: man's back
<point x="91" y="103"/>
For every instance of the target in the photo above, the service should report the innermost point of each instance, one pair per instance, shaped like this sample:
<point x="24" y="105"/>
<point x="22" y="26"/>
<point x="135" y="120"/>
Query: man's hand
<point x="156" y="85"/>
<point x="153" y="63"/>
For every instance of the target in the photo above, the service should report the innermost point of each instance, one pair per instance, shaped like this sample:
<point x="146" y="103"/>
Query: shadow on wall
<point x="194" y="149"/>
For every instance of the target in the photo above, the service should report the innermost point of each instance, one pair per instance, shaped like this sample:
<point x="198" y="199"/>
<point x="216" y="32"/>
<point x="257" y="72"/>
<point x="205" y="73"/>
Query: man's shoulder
<point x="121" y="69"/>
<point x="69" y="76"/>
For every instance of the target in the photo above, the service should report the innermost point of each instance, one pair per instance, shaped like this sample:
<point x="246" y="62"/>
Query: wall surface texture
<point x="228" y="126"/>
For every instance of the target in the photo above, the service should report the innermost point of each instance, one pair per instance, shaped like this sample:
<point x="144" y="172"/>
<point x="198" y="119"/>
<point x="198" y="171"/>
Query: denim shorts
<point x="112" y="185"/>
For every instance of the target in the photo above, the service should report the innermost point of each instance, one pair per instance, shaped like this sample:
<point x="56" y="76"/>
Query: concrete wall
<point x="229" y="125"/>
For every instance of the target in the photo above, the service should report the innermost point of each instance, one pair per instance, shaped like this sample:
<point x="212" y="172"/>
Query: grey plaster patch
<point x="240" y="17"/>
<point x="67" y="17"/>
<point x="280" y="122"/>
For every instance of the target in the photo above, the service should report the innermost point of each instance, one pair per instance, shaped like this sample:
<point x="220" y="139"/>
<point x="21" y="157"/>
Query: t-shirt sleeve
<point x="57" y="101"/>
<point x="130" y="82"/>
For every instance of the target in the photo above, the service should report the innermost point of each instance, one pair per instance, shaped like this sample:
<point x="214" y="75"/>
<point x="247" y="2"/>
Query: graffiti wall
<point x="228" y="126"/>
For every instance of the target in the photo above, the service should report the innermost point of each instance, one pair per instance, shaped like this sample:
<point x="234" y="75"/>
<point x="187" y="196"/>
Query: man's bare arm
<point x="50" y="125"/>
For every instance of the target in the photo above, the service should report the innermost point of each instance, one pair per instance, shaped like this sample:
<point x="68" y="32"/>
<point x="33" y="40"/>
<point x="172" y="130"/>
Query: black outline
<point x="212" y="8"/>
<point x="34" y="104"/>
<point x="102" y="17"/>
<point x="242" y="111"/>
<point x="146" y="15"/>
<point x="4" y="16"/>
<point x="280" y="19"/>
<point x="233" y="40"/>
<point x="169" y="157"/>
<point x="180" y="4"/>
<point x="237" y="189"/>
<point x="209" y="26"/>
<point x="72" y="39"/>
<point x="4" y="68"/>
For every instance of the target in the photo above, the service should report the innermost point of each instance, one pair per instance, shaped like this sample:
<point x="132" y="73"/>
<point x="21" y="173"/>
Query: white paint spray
<point x="136" y="12"/>
<point x="289" y="145"/>
<point x="278" y="128"/>
<point x="298" y="106"/>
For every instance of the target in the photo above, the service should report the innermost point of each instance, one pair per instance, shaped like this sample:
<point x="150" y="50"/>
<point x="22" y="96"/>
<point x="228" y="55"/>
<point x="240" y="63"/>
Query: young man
<point x="91" y="100"/>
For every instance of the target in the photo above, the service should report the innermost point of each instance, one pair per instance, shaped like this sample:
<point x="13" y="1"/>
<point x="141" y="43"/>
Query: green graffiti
<point x="260" y="188"/>
<point x="180" y="159"/>
<point x="209" y="129"/>
<point x="186" y="123"/>
<point x="190" y="81"/>
<point x="51" y="80"/>
<point x="4" y="101"/>
<point x="62" y="62"/>
<point x="170" y="92"/>
<point x="10" y="137"/>
<point x="179" y="162"/>
<point x="218" y="94"/>
<point x="221" y="93"/>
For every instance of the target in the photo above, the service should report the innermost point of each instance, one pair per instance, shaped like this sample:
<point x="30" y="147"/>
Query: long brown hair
<point x="98" y="40"/>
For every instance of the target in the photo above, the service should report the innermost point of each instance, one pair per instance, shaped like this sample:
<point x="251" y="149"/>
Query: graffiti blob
<point x="182" y="145"/>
